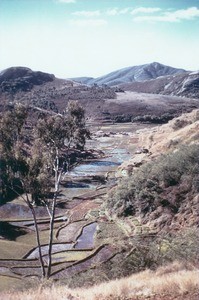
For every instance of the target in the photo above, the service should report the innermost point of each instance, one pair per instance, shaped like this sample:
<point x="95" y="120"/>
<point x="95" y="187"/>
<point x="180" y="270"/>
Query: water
<point x="100" y="167"/>
<point x="86" y="239"/>
<point x="44" y="249"/>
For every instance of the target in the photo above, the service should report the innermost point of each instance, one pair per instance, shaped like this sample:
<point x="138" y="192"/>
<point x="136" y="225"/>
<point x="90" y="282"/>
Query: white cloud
<point x="96" y="13"/>
<point x="115" y="11"/>
<point x="145" y="10"/>
<point x="186" y="14"/>
<point x="66" y="1"/>
<point x="85" y="13"/>
<point x="112" y="12"/>
<point x="124" y="10"/>
<point x="173" y="17"/>
<point x="90" y="23"/>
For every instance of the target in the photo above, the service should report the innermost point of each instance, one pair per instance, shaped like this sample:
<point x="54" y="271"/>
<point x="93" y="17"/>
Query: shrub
<point x="164" y="118"/>
<point x="180" y="123"/>
<point x="151" y="252"/>
<point x="144" y="190"/>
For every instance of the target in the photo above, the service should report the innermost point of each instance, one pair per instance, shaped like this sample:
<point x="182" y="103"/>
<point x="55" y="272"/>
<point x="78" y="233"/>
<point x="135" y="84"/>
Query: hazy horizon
<point x="77" y="38"/>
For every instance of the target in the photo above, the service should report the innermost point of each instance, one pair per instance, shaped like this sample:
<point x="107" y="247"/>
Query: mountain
<point x="132" y="74"/>
<point x="183" y="84"/>
<point x="21" y="78"/>
<point x="102" y="103"/>
<point x="45" y="91"/>
<point x="82" y="80"/>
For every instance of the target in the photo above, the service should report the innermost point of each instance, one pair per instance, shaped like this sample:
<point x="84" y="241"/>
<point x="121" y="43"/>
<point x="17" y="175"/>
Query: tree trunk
<point x="52" y="218"/>
<point x="38" y="241"/>
<point x="27" y="201"/>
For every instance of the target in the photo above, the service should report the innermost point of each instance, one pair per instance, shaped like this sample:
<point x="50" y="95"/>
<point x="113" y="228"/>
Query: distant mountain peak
<point x="133" y="74"/>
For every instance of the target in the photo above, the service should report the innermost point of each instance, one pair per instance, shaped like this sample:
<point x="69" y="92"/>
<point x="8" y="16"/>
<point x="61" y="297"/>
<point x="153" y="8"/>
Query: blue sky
<point x="71" y="38"/>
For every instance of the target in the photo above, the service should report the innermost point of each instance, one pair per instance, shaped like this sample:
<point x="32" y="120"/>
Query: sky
<point x="73" y="38"/>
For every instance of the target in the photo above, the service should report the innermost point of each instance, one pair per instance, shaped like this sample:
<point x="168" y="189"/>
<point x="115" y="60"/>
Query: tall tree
<point x="22" y="170"/>
<point x="34" y="159"/>
<point x="59" y="133"/>
<point x="11" y="126"/>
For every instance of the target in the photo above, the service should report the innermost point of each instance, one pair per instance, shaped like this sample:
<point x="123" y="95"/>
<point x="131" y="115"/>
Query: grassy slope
<point x="170" y="282"/>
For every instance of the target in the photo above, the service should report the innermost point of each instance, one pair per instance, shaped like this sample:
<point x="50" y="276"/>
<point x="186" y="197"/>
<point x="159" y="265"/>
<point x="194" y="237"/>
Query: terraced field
<point x="84" y="237"/>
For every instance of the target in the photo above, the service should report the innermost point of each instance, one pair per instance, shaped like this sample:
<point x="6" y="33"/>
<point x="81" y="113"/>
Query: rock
<point x="141" y="150"/>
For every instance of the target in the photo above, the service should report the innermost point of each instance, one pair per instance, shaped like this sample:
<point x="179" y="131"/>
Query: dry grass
<point x="12" y="249"/>
<point x="66" y="256"/>
<point x="173" y="280"/>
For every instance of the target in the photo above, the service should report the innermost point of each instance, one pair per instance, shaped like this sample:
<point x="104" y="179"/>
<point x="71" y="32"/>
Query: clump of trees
<point x="161" y="119"/>
<point x="31" y="158"/>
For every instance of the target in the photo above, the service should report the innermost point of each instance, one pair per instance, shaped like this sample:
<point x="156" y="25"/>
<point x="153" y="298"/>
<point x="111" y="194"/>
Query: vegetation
<point x="163" y="118"/>
<point x="28" y="160"/>
<point x="145" y="190"/>
<point x="173" y="281"/>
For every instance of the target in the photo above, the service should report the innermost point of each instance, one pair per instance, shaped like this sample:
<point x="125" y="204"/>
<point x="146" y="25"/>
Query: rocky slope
<point x="183" y="84"/>
<point x="132" y="74"/>
<point x="162" y="138"/>
<point x="178" y="198"/>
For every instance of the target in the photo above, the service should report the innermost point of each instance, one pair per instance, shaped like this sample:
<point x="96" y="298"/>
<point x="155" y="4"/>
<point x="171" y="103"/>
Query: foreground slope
<point x="171" y="282"/>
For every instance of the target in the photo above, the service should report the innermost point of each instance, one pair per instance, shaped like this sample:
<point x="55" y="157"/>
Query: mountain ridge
<point x="137" y="73"/>
<point x="182" y="84"/>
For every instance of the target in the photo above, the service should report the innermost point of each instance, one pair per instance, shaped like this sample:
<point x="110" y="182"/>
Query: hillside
<point x="20" y="78"/>
<point x="184" y="84"/>
<point x="101" y="103"/>
<point x="169" y="283"/>
<point x="45" y="91"/>
<point x="163" y="173"/>
<point x="132" y="74"/>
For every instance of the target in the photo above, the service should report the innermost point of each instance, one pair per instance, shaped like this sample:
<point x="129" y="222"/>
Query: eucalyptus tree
<point x="59" y="133"/>
<point x="33" y="159"/>
<point x="22" y="168"/>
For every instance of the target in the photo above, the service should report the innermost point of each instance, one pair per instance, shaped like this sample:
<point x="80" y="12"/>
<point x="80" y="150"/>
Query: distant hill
<point x="45" y="91"/>
<point x="102" y="103"/>
<point x="183" y="84"/>
<point x="21" y="78"/>
<point x="132" y="74"/>
<point x="82" y="80"/>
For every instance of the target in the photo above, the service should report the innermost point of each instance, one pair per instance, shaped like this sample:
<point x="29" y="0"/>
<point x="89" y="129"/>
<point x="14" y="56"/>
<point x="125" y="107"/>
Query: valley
<point x="130" y="207"/>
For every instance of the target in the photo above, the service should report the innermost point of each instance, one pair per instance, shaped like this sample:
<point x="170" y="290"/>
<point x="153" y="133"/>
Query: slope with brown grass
<point x="170" y="282"/>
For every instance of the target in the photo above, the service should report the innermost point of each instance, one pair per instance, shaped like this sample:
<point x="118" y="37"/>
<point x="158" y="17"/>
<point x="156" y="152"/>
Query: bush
<point x="147" y="252"/>
<point x="145" y="190"/>
<point x="150" y="252"/>
<point x="180" y="123"/>
<point x="164" y="118"/>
